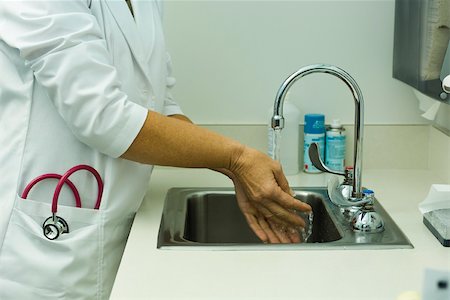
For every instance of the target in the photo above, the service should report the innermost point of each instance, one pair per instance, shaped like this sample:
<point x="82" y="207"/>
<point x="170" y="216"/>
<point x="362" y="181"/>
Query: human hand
<point x="265" y="198"/>
<point x="267" y="230"/>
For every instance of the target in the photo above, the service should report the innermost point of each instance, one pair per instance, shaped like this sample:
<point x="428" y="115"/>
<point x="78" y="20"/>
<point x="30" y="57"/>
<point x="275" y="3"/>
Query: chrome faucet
<point x="278" y="119"/>
<point x="356" y="197"/>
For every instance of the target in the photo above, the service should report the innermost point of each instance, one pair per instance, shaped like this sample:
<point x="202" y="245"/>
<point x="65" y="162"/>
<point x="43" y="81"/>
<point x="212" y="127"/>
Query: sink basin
<point x="214" y="217"/>
<point x="209" y="218"/>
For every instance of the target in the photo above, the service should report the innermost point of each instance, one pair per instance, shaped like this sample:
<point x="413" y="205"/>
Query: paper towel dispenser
<point x="422" y="45"/>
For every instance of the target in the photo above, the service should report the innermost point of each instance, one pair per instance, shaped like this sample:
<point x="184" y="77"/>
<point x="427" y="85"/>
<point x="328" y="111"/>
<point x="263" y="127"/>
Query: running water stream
<point x="274" y="152"/>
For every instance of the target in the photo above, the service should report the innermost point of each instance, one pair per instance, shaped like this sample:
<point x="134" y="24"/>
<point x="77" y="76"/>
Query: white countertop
<point x="149" y="273"/>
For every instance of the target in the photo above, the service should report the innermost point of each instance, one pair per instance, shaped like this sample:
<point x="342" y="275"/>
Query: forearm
<point x="262" y="191"/>
<point x="169" y="141"/>
<point x="186" y="119"/>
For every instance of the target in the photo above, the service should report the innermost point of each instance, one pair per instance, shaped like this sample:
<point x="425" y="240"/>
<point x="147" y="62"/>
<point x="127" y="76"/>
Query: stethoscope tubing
<point x="65" y="177"/>
<point x="32" y="183"/>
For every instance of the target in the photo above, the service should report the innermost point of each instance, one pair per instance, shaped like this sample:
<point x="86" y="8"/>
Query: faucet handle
<point x="314" y="155"/>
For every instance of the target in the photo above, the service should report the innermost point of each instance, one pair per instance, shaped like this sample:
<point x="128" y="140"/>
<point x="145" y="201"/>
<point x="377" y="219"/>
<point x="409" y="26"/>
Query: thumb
<point x="280" y="178"/>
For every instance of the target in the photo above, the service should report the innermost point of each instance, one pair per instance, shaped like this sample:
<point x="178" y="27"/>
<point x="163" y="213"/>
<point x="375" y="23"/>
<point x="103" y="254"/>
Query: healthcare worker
<point x="86" y="82"/>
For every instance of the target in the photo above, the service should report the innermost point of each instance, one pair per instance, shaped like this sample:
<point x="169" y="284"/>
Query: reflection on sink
<point x="200" y="218"/>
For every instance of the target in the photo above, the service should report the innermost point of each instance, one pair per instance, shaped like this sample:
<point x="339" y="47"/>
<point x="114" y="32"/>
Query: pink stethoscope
<point x="54" y="225"/>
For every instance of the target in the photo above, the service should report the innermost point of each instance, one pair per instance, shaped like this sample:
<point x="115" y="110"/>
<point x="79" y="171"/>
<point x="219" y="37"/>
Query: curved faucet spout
<point x="278" y="119"/>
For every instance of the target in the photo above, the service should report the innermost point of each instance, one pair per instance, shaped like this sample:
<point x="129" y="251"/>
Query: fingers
<point x="286" y="235"/>
<point x="288" y="201"/>
<point x="262" y="229"/>
<point x="281" y="233"/>
<point x="272" y="232"/>
<point x="284" y="216"/>
<point x="275" y="214"/>
<point x="281" y="180"/>
<point x="281" y="215"/>
<point x="294" y="235"/>
<point x="256" y="227"/>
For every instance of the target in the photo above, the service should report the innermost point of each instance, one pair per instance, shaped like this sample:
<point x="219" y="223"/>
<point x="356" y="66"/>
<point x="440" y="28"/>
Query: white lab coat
<point x="76" y="80"/>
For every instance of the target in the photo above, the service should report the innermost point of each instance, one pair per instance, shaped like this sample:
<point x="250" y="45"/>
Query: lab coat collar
<point x="138" y="35"/>
<point x="144" y="16"/>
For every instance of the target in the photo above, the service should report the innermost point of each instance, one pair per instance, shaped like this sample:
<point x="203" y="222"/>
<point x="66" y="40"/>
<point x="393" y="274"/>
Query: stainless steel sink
<point x="209" y="218"/>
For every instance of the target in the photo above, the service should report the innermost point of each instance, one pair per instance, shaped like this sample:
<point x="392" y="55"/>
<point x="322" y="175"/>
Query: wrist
<point x="244" y="158"/>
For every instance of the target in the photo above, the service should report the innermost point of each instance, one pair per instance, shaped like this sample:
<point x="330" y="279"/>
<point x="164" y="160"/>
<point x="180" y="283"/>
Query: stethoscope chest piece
<point x="54" y="226"/>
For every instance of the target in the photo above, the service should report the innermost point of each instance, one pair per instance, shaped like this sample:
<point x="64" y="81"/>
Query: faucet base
<point x="367" y="221"/>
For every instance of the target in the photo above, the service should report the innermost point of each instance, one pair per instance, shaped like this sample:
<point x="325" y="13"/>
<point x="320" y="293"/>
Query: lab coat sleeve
<point x="170" y="106"/>
<point x="62" y="43"/>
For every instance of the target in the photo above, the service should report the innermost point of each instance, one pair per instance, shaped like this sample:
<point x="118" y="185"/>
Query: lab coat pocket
<point x="74" y="258"/>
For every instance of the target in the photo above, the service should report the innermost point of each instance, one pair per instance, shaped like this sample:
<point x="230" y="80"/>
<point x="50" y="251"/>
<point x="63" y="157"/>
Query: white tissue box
<point x="438" y="222"/>
<point x="436" y="212"/>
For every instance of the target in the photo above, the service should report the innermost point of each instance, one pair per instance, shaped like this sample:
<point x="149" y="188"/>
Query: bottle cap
<point x="314" y="123"/>
<point x="336" y="124"/>
<point x="368" y="192"/>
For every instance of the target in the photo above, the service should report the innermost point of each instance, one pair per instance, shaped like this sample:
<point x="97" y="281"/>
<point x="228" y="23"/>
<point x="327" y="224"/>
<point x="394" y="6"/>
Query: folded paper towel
<point x="438" y="198"/>
<point x="428" y="105"/>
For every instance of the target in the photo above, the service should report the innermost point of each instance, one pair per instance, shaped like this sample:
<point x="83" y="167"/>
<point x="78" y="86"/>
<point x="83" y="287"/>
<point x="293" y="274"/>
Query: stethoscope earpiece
<point x="54" y="226"/>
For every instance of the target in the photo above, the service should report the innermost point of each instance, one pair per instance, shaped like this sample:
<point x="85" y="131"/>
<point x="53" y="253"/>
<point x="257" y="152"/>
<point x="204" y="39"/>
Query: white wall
<point x="230" y="57"/>
<point x="443" y="118"/>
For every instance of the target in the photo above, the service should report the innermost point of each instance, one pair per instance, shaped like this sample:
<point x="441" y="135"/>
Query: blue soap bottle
<point x="314" y="133"/>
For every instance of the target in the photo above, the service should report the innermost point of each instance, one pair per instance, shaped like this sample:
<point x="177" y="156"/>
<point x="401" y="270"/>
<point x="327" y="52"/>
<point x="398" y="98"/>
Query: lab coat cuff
<point x="172" y="110"/>
<point x="136" y="119"/>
